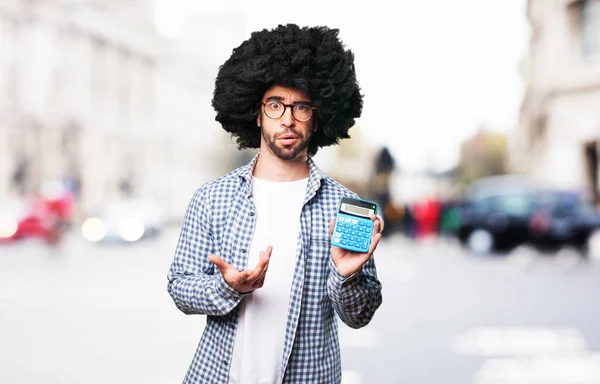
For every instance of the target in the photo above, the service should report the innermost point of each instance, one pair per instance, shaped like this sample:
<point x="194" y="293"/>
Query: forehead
<point x="286" y="94"/>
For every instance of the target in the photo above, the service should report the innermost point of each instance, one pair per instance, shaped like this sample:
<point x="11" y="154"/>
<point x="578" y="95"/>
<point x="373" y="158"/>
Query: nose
<point x="287" y="119"/>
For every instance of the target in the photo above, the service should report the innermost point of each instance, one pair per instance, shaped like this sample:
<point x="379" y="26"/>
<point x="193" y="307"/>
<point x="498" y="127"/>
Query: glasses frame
<point x="291" y="106"/>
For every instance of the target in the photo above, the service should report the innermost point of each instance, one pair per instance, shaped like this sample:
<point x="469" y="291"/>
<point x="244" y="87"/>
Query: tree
<point x="482" y="155"/>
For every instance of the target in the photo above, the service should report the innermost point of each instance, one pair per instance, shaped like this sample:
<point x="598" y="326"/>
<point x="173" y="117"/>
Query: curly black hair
<point x="312" y="60"/>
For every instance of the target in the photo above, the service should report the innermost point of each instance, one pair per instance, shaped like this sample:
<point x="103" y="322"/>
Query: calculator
<point x="353" y="225"/>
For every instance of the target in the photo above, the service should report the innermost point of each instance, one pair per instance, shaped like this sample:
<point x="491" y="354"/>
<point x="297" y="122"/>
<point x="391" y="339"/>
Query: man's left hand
<point x="349" y="262"/>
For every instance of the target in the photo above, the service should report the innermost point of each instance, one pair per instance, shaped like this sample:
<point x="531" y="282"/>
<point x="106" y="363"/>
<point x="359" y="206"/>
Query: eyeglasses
<point x="275" y="109"/>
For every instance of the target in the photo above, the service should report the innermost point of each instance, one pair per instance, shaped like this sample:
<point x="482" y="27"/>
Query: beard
<point x="286" y="152"/>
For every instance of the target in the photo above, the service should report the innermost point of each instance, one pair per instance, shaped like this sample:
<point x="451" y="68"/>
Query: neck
<point x="272" y="168"/>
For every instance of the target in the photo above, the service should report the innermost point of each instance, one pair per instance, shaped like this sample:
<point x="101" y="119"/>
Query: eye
<point x="301" y="107"/>
<point x="273" y="104"/>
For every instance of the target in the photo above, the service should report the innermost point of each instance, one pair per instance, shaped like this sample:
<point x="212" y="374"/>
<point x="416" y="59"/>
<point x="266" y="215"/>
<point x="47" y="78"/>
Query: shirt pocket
<point x="320" y="246"/>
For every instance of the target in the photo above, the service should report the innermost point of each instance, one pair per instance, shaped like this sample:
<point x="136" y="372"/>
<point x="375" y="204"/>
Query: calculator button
<point x="337" y="240"/>
<point x="346" y="231"/>
<point x="369" y="224"/>
<point x="361" y="223"/>
<point x="340" y="224"/>
<point x="344" y="242"/>
<point x="347" y="219"/>
<point x="354" y="221"/>
<point x="345" y="237"/>
<point x="353" y="233"/>
<point x="338" y="234"/>
<point x="352" y="238"/>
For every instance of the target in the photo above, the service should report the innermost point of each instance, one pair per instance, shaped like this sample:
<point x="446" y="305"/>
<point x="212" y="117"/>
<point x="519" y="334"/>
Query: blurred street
<point x="101" y="314"/>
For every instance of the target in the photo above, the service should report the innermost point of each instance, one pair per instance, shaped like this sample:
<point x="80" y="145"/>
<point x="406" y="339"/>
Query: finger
<point x="374" y="243"/>
<point x="264" y="270"/>
<point x="257" y="272"/>
<point x="260" y="282"/>
<point x="381" y="223"/>
<point x="264" y="273"/>
<point x="219" y="262"/>
<point x="243" y="277"/>
<point x="268" y="252"/>
<point x="377" y="226"/>
<point x="267" y="256"/>
<point x="331" y="227"/>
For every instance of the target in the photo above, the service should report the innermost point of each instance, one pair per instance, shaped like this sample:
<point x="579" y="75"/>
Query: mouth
<point x="288" y="139"/>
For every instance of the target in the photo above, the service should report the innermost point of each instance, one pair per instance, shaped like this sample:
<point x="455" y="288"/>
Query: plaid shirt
<point x="220" y="220"/>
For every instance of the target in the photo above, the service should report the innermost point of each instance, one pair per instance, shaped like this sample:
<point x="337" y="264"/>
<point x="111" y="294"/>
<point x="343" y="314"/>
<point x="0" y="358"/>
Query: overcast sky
<point x="432" y="71"/>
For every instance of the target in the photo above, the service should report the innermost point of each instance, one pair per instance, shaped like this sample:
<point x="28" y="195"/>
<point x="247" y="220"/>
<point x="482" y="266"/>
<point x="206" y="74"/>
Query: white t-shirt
<point x="260" y="335"/>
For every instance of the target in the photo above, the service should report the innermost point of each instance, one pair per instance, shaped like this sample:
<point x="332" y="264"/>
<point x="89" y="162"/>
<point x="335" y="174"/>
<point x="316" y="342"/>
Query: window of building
<point x="590" y="27"/>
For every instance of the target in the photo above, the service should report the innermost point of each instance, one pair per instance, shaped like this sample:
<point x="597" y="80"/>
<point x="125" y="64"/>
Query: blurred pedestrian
<point x="288" y="92"/>
<point x="408" y="221"/>
<point x="427" y="216"/>
<point x="381" y="179"/>
<point x="449" y="218"/>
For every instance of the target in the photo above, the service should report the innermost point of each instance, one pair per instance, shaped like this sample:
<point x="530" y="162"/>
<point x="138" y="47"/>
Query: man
<point x="254" y="253"/>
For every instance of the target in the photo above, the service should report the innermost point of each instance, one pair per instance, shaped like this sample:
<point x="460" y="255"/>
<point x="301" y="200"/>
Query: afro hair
<point x="312" y="60"/>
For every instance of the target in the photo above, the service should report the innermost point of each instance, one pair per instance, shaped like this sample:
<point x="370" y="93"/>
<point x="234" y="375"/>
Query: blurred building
<point x="92" y="95"/>
<point x="559" y="133"/>
<point x="481" y="155"/>
<point x="351" y="162"/>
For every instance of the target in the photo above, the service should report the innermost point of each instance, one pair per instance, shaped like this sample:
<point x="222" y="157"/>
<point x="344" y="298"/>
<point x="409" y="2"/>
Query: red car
<point x="29" y="218"/>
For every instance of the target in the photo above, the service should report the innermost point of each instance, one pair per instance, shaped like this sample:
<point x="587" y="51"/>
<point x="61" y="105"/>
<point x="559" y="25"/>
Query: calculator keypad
<point x="352" y="233"/>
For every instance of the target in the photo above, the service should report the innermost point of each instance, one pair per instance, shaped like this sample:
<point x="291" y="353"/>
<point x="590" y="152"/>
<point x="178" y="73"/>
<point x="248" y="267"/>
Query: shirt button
<point x="224" y="362"/>
<point x="243" y="251"/>
<point x="249" y="196"/>
<point x="251" y="213"/>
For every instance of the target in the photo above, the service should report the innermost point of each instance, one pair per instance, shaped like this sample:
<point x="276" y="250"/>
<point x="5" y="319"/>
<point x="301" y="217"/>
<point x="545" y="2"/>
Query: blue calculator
<point x="353" y="225"/>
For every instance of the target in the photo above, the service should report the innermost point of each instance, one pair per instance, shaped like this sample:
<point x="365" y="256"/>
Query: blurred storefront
<point x="558" y="140"/>
<point x="91" y="95"/>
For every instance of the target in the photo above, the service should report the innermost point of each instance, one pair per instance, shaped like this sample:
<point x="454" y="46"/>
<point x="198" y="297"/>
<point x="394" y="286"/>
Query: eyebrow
<point x="280" y="98"/>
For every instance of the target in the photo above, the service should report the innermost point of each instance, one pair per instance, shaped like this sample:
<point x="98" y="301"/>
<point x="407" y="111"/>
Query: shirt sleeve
<point x="356" y="297"/>
<point x="196" y="284"/>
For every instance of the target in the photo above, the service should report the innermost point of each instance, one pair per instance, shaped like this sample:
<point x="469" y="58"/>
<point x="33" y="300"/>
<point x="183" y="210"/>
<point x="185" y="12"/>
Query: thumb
<point x="216" y="260"/>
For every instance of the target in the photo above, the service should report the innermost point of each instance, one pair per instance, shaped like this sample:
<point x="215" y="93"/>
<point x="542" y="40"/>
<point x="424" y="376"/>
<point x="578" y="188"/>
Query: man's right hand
<point x="245" y="281"/>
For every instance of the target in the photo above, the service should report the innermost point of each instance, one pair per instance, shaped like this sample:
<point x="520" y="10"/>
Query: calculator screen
<point x="354" y="210"/>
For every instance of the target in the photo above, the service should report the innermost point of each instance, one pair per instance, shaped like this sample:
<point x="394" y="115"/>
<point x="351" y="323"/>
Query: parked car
<point x="27" y="218"/>
<point x="503" y="212"/>
<point x="562" y="217"/>
<point x="124" y="221"/>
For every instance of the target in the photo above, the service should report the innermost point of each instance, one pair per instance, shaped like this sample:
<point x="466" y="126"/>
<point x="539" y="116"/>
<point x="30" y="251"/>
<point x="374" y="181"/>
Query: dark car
<point x="503" y="212"/>
<point x="562" y="217"/>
